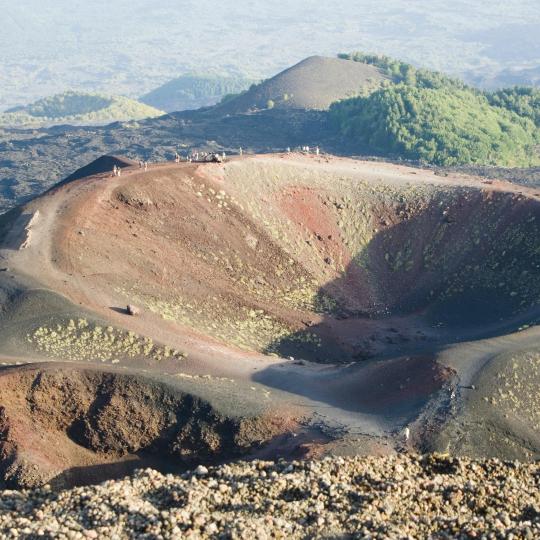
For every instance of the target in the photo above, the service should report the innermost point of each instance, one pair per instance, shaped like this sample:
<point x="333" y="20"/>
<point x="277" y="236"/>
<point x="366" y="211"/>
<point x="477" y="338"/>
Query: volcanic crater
<point x="321" y="261"/>
<point x="306" y="283"/>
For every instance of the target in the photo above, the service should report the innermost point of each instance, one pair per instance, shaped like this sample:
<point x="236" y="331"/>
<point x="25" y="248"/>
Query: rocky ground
<point x="404" y="496"/>
<point x="320" y="288"/>
<point x="32" y="161"/>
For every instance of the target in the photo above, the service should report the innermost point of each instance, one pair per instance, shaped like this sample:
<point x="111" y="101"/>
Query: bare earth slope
<point x="313" y="83"/>
<point x="346" y="299"/>
<point x="104" y="164"/>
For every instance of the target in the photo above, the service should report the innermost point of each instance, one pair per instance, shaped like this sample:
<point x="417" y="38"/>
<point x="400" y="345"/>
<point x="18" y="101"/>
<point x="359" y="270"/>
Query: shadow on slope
<point x="465" y="270"/>
<point x="459" y="269"/>
<point x="103" y="164"/>
<point x="110" y="420"/>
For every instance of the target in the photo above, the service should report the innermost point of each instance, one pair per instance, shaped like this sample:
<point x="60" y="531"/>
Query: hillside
<point x="428" y="117"/>
<point x="314" y="83"/>
<point x="193" y="91"/>
<point x="416" y="114"/>
<point x="275" y="294"/>
<point x="438" y="126"/>
<point x="103" y="164"/>
<point x="77" y="108"/>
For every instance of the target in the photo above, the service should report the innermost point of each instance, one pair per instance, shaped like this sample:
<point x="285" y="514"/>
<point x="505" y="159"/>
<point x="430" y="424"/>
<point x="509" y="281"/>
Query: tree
<point x="445" y="126"/>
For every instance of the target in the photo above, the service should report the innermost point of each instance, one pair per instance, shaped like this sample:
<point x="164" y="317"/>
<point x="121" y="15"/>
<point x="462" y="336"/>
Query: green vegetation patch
<point x="78" y="108"/>
<point x="523" y="100"/>
<point x="445" y="126"/>
<point x="425" y="116"/>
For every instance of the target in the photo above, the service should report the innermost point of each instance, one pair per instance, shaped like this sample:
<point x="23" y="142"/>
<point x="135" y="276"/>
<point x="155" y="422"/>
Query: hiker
<point x="119" y="171"/>
<point x="406" y="434"/>
<point x="317" y="152"/>
<point x="140" y="164"/>
<point x="145" y="166"/>
<point x="223" y="155"/>
<point x="241" y="151"/>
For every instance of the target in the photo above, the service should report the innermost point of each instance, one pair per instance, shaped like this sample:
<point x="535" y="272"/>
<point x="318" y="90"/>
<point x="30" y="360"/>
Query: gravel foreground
<point x="393" y="497"/>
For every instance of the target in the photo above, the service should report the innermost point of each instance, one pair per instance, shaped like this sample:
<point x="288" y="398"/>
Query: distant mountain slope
<point x="194" y="91"/>
<point x="428" y="117"/>
<point x="314" y="83"/>
<point x="77" y="108"/>
<point x="418" y="115"/>
<point x="507" y="77"/>
<point x="103" y="50"/>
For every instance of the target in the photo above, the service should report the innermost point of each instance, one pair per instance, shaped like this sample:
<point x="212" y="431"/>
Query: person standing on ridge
<point x="406" y="434"/>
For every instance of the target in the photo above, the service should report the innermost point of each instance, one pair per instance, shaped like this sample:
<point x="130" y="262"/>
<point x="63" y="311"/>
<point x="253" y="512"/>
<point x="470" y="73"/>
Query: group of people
<point x="117" y="170"/>
<point x="203" y="156"/>
<point x="307" y="150"/>
<point x="207" y="157"/>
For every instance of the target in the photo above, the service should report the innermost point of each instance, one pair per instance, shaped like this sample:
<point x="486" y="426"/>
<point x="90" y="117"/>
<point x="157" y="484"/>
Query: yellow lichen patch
<point x="516" y="390"/>
<point x="247" y="328"/>
<point x="79" y="340"/>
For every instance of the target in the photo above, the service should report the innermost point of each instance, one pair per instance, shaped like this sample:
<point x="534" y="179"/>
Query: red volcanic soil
<point x="66" y="424"/>
<point x="329" y="260"/>
<point x="268" y="275"/>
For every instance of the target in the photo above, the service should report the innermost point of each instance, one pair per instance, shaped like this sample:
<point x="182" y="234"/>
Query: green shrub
<point x="523" y="100"/>
<point x="427" y="116"/>
<point x="445" y="126"/>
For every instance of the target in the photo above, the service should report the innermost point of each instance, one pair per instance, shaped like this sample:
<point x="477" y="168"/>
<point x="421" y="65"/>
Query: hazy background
<point x="132" y="46"/>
